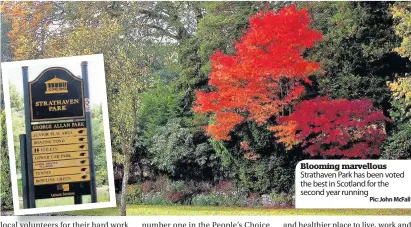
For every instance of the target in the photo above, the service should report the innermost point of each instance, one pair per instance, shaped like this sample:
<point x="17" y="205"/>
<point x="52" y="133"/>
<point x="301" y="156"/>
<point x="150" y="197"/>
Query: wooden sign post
<point x="57" y="155"/>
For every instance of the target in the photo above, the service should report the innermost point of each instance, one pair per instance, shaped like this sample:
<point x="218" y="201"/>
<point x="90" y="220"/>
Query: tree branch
<point x="162" y="30"/>
<point x="152" y="14"/>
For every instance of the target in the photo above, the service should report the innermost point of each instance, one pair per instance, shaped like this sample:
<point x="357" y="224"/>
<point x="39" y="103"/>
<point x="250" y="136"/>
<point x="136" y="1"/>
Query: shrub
<point x="181" y="154"/>
<point x="134" y="194"/>
<point x="147" y="187"/>
<point x="155" y="199"/>
<point x="215" y="199"/>
<point x="174" y="196"/>
<point x="205" y="200"/>
<point x="202" y="187"/>
<point x="101" y="177"/>
<point x="223" y="194"/>
<point x="282" y="198"/>
<point x="254" y="200"/>
<point x="224" y="186"/>
<point x="171" y="191"/>
<point x="160" y="185"/>
<point x="275" y="167"/>
<point x="177" y="186"/>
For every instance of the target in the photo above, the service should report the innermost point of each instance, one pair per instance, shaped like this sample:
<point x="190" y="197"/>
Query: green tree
<point x="158" y="105"/>
<point x="398" y="145"/>
<point x="5" y="180"/>
<point x="5" y="52"/>
<point x="128" y="81"/>
<point x="99" y="145"/>
<point x="18" y="122"/>
<point x="356" y="53"/>
<point x="175" y="151"/>
<point x="18" y="128"/>
<point x="5" y="40"/>
<point x="16" y="99"/>
<point x="126" y="72"/>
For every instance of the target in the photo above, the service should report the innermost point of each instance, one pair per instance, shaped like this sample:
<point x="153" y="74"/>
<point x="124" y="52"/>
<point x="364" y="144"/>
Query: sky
<point x="97" y="87"/>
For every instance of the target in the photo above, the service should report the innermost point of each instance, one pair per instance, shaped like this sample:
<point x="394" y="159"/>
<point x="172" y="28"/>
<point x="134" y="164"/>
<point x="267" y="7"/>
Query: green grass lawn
<point x="141" y="210"/>
<point x="102" y="196"/>
<point x="20" y="186"/>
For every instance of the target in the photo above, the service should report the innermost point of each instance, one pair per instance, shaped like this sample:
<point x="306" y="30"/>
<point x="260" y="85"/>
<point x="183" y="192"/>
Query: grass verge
<point x="143" y="210"/>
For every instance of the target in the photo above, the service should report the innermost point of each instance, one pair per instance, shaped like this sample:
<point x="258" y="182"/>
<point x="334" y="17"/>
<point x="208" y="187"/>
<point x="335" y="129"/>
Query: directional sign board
<point x="61" y="164"/>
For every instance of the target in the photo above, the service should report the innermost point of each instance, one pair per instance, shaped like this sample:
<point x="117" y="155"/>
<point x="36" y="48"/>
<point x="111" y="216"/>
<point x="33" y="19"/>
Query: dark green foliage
<point x="5" y="180"/>
<point x="224" y="23"/>
<point x="273" y="168"/>
<point x="175" y="150"/>
<point x="5" y="53"/>
<point x="282" y="199"/>
<point x="5" y="40"/>
<point x="356" y="53"/>
<point x="398" y="145"/>
<point x="6" y="198"/>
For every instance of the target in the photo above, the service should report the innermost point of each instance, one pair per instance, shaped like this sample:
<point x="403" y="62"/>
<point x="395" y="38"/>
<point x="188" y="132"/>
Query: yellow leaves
<point x="401" y="12"/>
<point x="401" y="90"/>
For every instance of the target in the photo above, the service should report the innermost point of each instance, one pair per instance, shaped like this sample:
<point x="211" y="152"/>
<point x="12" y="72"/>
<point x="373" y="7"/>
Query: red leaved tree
<point x="334" y="128"/>
<point x="266" y="73"/>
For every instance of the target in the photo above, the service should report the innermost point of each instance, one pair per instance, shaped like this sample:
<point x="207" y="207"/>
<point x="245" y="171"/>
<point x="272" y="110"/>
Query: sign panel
<point x="62" y="179"/>
<point x="47" y="191"/>
<point x="58" y="133"/>
<point x="58" y="141"/>
<point x="61" y="171"/>
<point x="60" y="148"/>
<point x="60" y="156"/>
<point x="55" y="126"/>
<point x="56" y="94"/>
<point x="60" y="164"/>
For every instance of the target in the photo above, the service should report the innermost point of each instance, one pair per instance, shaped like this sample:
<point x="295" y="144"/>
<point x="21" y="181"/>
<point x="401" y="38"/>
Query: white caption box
<point x="353" y="184"/>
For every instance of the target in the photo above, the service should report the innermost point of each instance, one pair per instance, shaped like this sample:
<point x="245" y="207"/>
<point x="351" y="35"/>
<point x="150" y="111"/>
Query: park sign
<point x="56" y="94"/>
<point x="57" y="156"/>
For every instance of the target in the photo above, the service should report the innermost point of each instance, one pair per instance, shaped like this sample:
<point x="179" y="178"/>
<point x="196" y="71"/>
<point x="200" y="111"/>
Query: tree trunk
<point x="126" y="172"/>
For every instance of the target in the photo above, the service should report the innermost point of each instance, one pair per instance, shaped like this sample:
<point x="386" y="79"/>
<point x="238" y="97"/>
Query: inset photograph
<point x="58" y="134"/>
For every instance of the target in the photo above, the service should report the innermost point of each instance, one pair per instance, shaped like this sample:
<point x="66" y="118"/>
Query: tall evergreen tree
<point x="356" y="53"/>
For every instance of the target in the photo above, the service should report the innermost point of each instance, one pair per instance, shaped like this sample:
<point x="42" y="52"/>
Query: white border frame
<point x="12" y="158"/>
